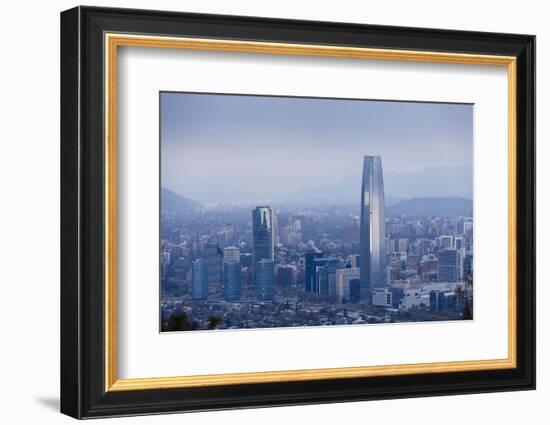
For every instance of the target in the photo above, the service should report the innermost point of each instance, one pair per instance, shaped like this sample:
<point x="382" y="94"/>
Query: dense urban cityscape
<point x="283" y="265"/>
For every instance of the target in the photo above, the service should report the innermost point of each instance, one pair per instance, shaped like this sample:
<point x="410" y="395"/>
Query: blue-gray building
<point x="318" y="268"/>
<point x="199" y="280"/>
<point x="263" y="235"/>
<point x="284" y="276"/>
<point x="372" y="228"/>
<point x="448" y="263"/>
<point x="212" y="255"/>
<point x="325" y="272"/>
<point x="310" y="279"/>
<point x="354" y="290"/>
<point x="265" y="279"/>
<point x="443" y="300"/>
<point x="232" y="280"/>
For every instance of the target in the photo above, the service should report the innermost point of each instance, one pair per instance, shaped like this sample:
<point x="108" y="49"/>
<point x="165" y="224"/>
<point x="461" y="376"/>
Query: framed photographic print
<point x="261" y="212"/>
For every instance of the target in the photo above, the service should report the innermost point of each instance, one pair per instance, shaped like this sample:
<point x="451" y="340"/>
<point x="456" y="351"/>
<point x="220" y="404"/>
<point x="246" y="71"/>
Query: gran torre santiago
<point x="373" y="272"/>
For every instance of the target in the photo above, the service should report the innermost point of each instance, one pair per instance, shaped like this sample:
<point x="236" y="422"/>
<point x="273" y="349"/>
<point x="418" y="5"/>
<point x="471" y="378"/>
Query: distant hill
<point x="432" y="182"/>
<point x="345" y="192"/>
<point x="172" y="201"/>
<point x="443" y="207"/>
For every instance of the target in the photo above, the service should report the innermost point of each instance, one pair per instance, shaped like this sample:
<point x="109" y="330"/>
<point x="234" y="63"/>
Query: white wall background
<point x="29" y="224"/>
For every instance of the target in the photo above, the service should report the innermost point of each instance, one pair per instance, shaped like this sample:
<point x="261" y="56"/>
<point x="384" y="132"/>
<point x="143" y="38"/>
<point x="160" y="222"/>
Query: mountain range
<point x="443" y="191"/>
<point x="174" y="202"/>
<point x="426" y="207"/>
<point x="450" y="182"/>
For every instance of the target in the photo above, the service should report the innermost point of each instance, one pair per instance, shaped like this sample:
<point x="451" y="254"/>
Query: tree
<point x="214" y="322"/>
<point x="179" y="322"/>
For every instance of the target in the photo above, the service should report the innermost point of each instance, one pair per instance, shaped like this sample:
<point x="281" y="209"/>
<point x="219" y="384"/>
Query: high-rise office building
<point x="343" y="279"/>
<point x="285" y="276"/>
<point x="212" y="255"/>
<point x="309" y="258"/>
<point x="232" y="280"/>
<point x="263" y="238"/>
<point x="265" y="279"/>
<point x="322" y="275"/>
<point x="232" y="253"/>
<point x="373" y="228"/>
<point x="318" y="265"/>
<point x="325" y="275"/>
<point x="354" y="290"/>
<point x="263" y="235"/>
<point x="199" y="280"/>
<point x="448" y="265"/>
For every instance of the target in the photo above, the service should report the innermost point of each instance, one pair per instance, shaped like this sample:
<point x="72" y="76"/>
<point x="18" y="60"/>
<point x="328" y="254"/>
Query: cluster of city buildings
<point x="372" y="262"/>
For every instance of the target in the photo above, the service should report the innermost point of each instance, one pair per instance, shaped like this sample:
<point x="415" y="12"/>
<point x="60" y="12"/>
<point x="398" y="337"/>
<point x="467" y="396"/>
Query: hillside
<point x="435" y="206"/>
<point x="174" y="202"/>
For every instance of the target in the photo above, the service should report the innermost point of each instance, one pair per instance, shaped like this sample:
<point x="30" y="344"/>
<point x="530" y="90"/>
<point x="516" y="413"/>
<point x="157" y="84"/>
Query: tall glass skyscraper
<point x="448" y="263"/>
<point x="373" y="228"/>
<point x="199" y="278"/>
<point x="232" y="280"/>
<point x="263" y="236"/>
<point x="310" y="258"/>
<point x="265" y="279"/>
<point x="212" y="255"/>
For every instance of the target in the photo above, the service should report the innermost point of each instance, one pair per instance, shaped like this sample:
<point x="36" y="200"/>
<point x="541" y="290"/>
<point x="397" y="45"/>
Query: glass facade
<point x="448" y="265"/>
<point x="325" y="275"/>
<point x="372" y="228"/>
<point x="212" y="254"/>
<point x="265" y="279"/>
<point x="232" y="280"/>
<point x="263" y="234"/>
<point x="310" y="278"/>
<point x="199" y="270"/>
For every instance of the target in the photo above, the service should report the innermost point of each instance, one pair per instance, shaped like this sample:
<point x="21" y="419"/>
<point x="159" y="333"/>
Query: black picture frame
<point x="83" y="392"/>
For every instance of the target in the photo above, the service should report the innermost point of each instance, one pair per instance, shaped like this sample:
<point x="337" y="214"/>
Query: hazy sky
<point x="226" y="148"/>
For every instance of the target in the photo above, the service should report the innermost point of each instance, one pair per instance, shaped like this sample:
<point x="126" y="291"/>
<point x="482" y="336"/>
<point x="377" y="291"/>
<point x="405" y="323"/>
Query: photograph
<point x="284" y="211"/>
<point x="277" y="209"/>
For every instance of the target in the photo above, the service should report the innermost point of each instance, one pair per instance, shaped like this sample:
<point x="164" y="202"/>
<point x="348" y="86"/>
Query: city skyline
<point x="241" y="282"/>
<point x="331" y="255"/>
<point x="330" y="135"/>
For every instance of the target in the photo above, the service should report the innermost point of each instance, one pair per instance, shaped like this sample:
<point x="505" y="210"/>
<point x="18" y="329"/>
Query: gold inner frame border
<point x="113" y="40"/>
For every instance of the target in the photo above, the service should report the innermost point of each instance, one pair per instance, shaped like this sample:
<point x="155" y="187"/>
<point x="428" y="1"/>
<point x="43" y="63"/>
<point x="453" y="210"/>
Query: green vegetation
<point x="180" y="322"/>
